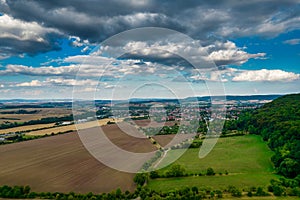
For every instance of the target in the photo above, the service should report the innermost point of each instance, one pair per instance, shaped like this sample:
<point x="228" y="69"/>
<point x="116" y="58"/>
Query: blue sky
<point x="48" y="50"/>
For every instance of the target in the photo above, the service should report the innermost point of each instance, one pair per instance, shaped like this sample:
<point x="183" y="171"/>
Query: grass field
<point x="246" y="158"/>
<point x="61" y="163"/>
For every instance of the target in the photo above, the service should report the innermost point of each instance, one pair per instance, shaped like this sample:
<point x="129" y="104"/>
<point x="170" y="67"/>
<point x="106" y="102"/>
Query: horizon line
<point x="143" y="98"/>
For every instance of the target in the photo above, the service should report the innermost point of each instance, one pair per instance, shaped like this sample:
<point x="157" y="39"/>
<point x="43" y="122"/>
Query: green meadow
<point x="247" y="159"/>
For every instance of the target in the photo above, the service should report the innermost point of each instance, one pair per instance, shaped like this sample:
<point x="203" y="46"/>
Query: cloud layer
<point x="219" y="31"/>
<point x="95" y="21"/>
<point x="17" y="37"/>
<point x="266" y="75"/>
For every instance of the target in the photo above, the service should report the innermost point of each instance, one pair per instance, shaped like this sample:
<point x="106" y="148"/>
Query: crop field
<point x="65" y="128"/>
<point x="26" y="128"/>
<point x="53" y="130"/>
<point x="170" y="140"/>
<point x="125" y="141"/>
<point x="163" y="140"/>
<point x="148" y="123"/>
<point x="61" y="163"/>
<point x="246" y="158"/>
<point x="40" y="113"/>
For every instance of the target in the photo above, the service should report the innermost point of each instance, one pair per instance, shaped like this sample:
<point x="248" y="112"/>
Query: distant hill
<point x="139" y="100"/>
<point x="278" y="122"/>
<point x="208" y="98"/>
<point x="253" y="97"/>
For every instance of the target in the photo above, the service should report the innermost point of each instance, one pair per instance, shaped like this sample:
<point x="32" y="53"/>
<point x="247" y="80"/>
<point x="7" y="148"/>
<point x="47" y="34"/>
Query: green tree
<point x="210" y="171"/>
<point x="154" y="174"/>
<point x="118" y="193"/>
<point x="260" y="192"/>
<point x="140" y="178"/>
<point x="219" y="193"/>
<point x="176" y="171"/>
<point x="277" y="190"/>
<point x="195" y="190"/>
<point x="249" y="194"/>
<point x="289" y="168"/>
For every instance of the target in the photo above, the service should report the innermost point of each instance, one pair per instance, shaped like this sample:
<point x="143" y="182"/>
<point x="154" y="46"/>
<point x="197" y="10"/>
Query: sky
<point x="122" y="49"/>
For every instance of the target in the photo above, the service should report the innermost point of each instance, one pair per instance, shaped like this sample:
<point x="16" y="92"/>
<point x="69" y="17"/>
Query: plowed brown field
<point x="61" y="163"/>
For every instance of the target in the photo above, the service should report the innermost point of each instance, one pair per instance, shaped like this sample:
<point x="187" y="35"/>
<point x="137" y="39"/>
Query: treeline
<point x="18" y="192"/>
<point x="37" y="105"/>
<point x="22" y="137"/>
<point x="180" y="171"/>
<point x="21" y="111"/>
<point x="46" y="120"/>
<point x="278" y="122"/>
<point x="281" y="187"/>
<point x="142" y="192"/>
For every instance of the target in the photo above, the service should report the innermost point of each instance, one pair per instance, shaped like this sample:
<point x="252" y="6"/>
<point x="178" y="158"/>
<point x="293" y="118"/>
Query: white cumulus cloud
<point x="33" y="83"/>
<point x="58" y="82"/>
<point x="222" y="53"/>
<point x="14" y="28"/>
<point x="266" y="75"/>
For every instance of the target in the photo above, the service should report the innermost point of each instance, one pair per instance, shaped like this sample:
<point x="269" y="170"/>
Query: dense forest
<point x="278" y="122"/>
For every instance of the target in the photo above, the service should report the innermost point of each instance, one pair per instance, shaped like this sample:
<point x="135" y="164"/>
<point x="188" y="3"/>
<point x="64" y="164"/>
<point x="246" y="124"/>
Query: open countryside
<point x="119" y="99"/>
<point x="52" y="128"/>
<point x="26" y="128"/>
<point x="240" y="165"/>
<point x="19" y="115"/>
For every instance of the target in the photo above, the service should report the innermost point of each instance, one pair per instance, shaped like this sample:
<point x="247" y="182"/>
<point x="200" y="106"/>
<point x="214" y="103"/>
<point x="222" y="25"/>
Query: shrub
<point x="249" y="194"/>
<point x="154" y="174"/>
<point x="140" y="179"/>
<point x="176" y="171"/>
<point x="219" y="193"/>
<point x="210" y="171"/>
<point x="260" y="192"/>
<point x="277" y="190"/>
<point x="235" y="192"/>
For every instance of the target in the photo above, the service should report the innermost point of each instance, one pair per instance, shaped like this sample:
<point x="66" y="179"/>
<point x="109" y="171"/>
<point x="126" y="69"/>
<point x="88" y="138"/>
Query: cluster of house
<point x="6" y="136"/>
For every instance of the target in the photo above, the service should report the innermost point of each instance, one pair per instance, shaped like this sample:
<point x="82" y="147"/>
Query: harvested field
<point x="148" y="123"/>
<point x="41" y="113"/>
<point x="54" y="130"/>
<point x="117" y="148"/>
<point x="61" y="163"/>
<point x="26" y="128"/>
<point x="18" y="117"/>
<point x="71" y="127"/>
<point x="101" y="122"/>
<point x="168" y="140"/>
<point x="163" y="140"/>
<point x="126" y="142"/>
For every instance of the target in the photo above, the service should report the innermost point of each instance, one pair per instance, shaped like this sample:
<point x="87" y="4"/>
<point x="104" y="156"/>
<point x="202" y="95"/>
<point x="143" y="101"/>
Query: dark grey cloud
<point x="205" y="20"/>
<point x="17" y="37"/>
<point x="30" y="47"/>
